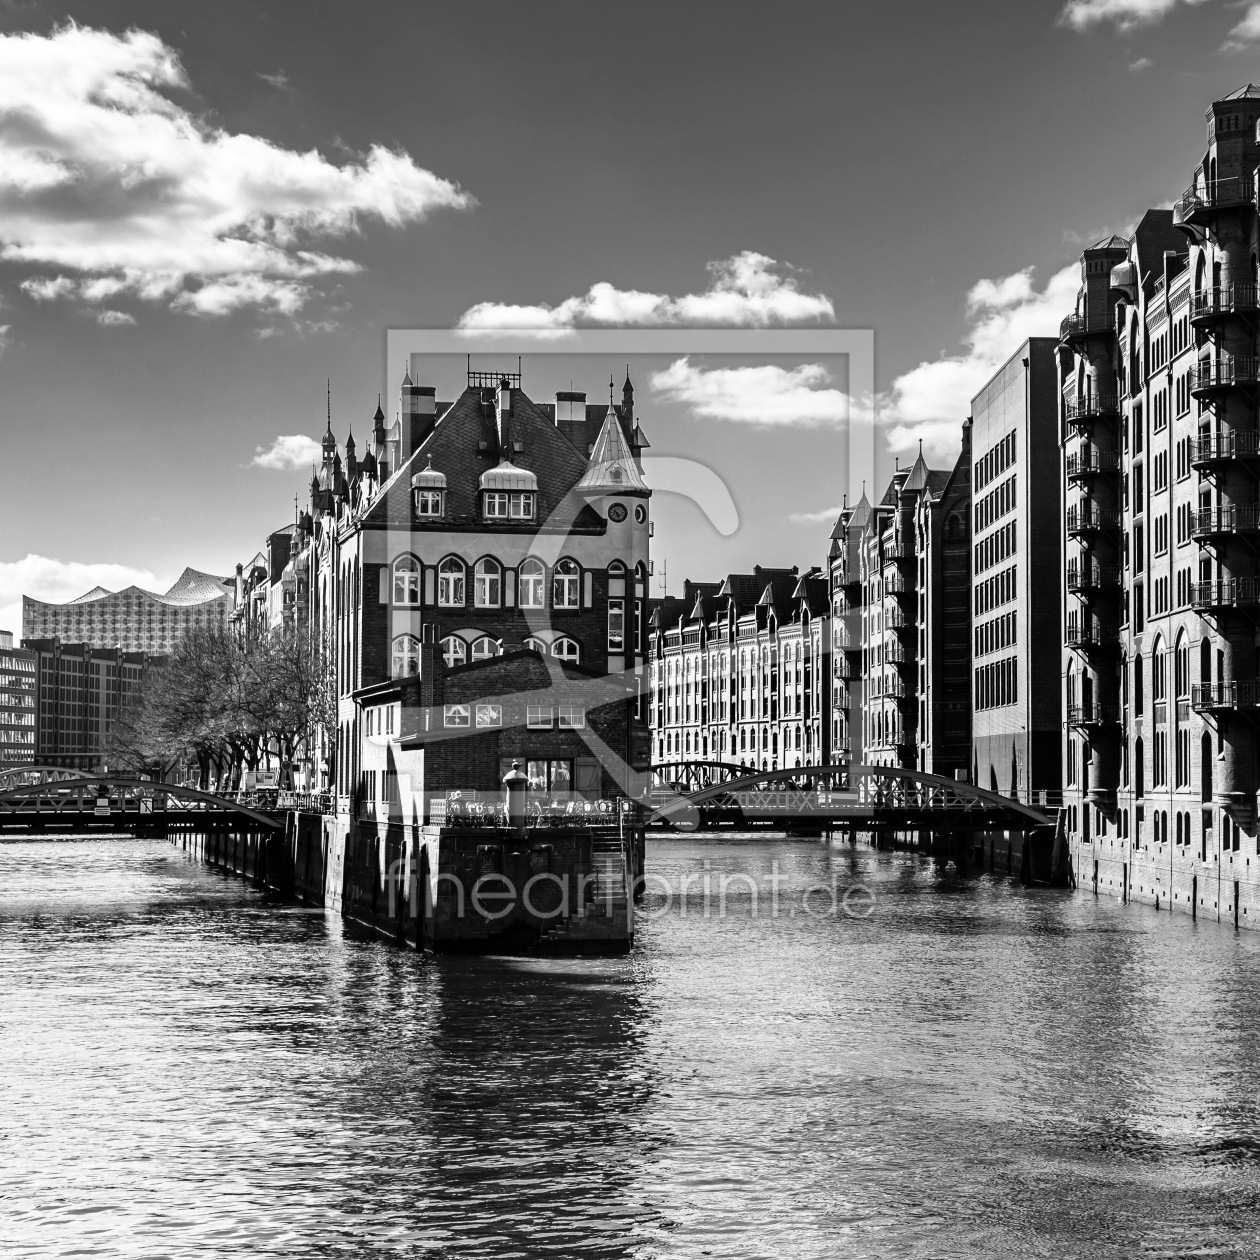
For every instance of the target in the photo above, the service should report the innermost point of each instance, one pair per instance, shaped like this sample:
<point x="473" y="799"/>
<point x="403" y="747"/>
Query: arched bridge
<point x="857" y="797"/>
<point x="41" y="798"/>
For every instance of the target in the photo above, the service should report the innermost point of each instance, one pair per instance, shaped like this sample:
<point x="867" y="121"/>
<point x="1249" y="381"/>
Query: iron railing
<point x="1095" y="714"/>
<point x="1224" y="695"/>
<point x="1086" y="518"/>
<point x="1229" y="519"/>
<point x="1091" y="407"/>
<point x="1219" y="194"/>
<point x="1215" y="448"/>
<point x="1241" y="592"/>
<point x="1074" y="326"/>
<point x="1089" y="460"/>
<point x="1223" y="373"/>
<point x="1090" y="577"/>
<point x="1229" y="299"/>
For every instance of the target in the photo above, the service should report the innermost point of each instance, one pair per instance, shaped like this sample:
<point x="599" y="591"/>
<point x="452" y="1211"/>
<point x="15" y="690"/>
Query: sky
<point x="208" y="212"/>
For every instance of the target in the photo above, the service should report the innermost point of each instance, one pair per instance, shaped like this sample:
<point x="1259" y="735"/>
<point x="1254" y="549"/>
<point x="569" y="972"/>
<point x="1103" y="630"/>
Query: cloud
<point x="824" y="516"/>
<point x="109" y="181"/>
<point x="931" y="401"/>
<point x="1142" y="63"/>
<point x="744" y="290"/>
<point x="279" y="80"/>
<point x="765" y="395"/>
<point x="1246" y="33"/>
<point x="1125" y="15"/>
<point x="288" y="452"/>
<point x="114" y="319"/>
<point x="57" y="580"/>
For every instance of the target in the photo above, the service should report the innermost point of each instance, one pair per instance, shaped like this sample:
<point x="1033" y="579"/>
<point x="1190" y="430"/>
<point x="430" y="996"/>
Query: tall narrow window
<point x="564" y="584"/>
<point x="406" y="581"/>
<point x="451" y="583"/>
<point x="487" y="584"/>
<point x="616" y="625"/>
<point x="405" y="657"/>
<point x="533" y="578"/>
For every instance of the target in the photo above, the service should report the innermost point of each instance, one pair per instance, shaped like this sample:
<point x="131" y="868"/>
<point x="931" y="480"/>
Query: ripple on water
<point x="975" y="1069"/>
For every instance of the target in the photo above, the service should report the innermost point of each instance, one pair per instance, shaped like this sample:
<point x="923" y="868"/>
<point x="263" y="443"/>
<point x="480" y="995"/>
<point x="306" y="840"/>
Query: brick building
<point x="739" y="671"/>
<point x="1017" y="526"/>
<point x="504" y="543"/>
<point x="1159" y="377"/>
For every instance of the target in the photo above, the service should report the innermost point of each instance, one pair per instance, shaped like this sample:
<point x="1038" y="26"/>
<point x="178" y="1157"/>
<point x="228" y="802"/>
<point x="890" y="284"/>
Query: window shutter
<point x="587" y="776"/>
<point x="588" y="589"/>
<point x="384" y="595"/>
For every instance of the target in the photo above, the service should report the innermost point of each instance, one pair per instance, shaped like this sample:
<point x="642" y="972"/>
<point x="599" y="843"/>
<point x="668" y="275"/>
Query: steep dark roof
<point x="456" y="445"/>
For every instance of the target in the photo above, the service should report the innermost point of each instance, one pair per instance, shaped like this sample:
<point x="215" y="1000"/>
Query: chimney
<point x="240" y="585"/>
<point x="417" y="411"/>
<point x="571" y="416"/>
<point x="503" y="413"/>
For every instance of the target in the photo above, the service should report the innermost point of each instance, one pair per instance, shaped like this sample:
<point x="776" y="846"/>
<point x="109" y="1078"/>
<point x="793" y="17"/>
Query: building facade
<point x="739" y="671"/>
<point x="480" y="576"/>
<point x="1017" y="591"/>
<point x="133" y="620"/>
<point x="81" y="694"/>
<point x="1159" y="373"/>
<point x="18" y="675"/>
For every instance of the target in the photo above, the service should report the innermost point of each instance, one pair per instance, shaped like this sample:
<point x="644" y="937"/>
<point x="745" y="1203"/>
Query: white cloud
<point x="279" y="80"/>
<point x="105" y="175"/>
<point x="1246" y="33"/>
<point x="1125" y="15"/>
<point x="114" y="319"/>
<point x="1142" y="63"/>
<point x="287" y="452"/>
<point x="57" y="580"/>
<point x="931" y="401"/>
<point x="765" y="395"/>
<point x="744" y="290"/>
<point x="824" y="516"/>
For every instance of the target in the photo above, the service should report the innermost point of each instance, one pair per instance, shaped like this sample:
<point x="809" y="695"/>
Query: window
<point x="484" y="648"/>
<point x="455" y="715"/>
<point x="489" y="715"/>
<point x="617" y="625"/>
<point x="549" y="776"/>
<point x="572" y="717"/>
<point x="454" y="651"/>
<point x="487" y="584"/>
<point x="533" y="579"/>
<point x="405" y="658"/>
<point x="428" y="503"/>
<point x="566" y="649"/>
<point x="500" y="505"/>
<point x="564" y="584"/>
<point x="451" y="583"/>
<point x="535" y="645"/>
<point x="406" y="581"/>
<point x="539" y="717"/>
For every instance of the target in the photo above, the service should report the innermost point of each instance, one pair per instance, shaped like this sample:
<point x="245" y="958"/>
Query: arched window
<point x="405" y="657"/>
<point x="406" y="580"/>
<point x="566" y="649"/>
<point x="617" y="569"/>
<point x="535" y="645"/>
<point x="484" y="648"/>
<point x="1139" y="769"/>
<point x="533" y="583"/>
<point x="1205" y="767"/>
<point x="487" y="584"/>
<point x="564" y="584"/>
<point x="454" y="651"/>
<point x="451" y="583"/>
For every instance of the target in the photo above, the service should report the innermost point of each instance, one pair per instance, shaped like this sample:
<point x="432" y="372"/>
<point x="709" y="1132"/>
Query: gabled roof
<point x="1248" y="91"/>
<point x="1111" y="242"/>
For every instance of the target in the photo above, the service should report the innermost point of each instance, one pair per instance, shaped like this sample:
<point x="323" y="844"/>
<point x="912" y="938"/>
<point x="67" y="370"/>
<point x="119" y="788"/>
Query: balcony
<point x="1089" y="461"/>
<point x="895" y="584"/>
<point x="1091" y="324"/>
<point x="898" y="654"/>
<point x="1220" y="448"/>
<point x="1092" y="715"/>
<point x="1213" y="305"/>
<point x="1201" y="203"/>
<point x="899" y="547"/>
<point x="1085" y="579"/>
<point x="1088" y="634"/>
<point x="1088" y="518"/>
<point x="1084" y="411"/>
<point x="1207" y="378"/>
<point x="1211" y="697"/>
<point x="1241" y="592"/>
<point x="1206" y="523"/>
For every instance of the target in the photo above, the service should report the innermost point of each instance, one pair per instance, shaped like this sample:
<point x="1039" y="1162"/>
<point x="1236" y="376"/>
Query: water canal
<point x="964" y="1068"/>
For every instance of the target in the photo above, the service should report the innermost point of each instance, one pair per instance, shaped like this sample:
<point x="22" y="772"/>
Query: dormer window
<point x="429" y="503"/>
<point x="504" y="505"/>
<point x="428" y="492"/>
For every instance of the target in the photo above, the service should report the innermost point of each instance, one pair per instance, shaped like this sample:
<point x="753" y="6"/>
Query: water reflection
<point x="974" y="1070"/>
